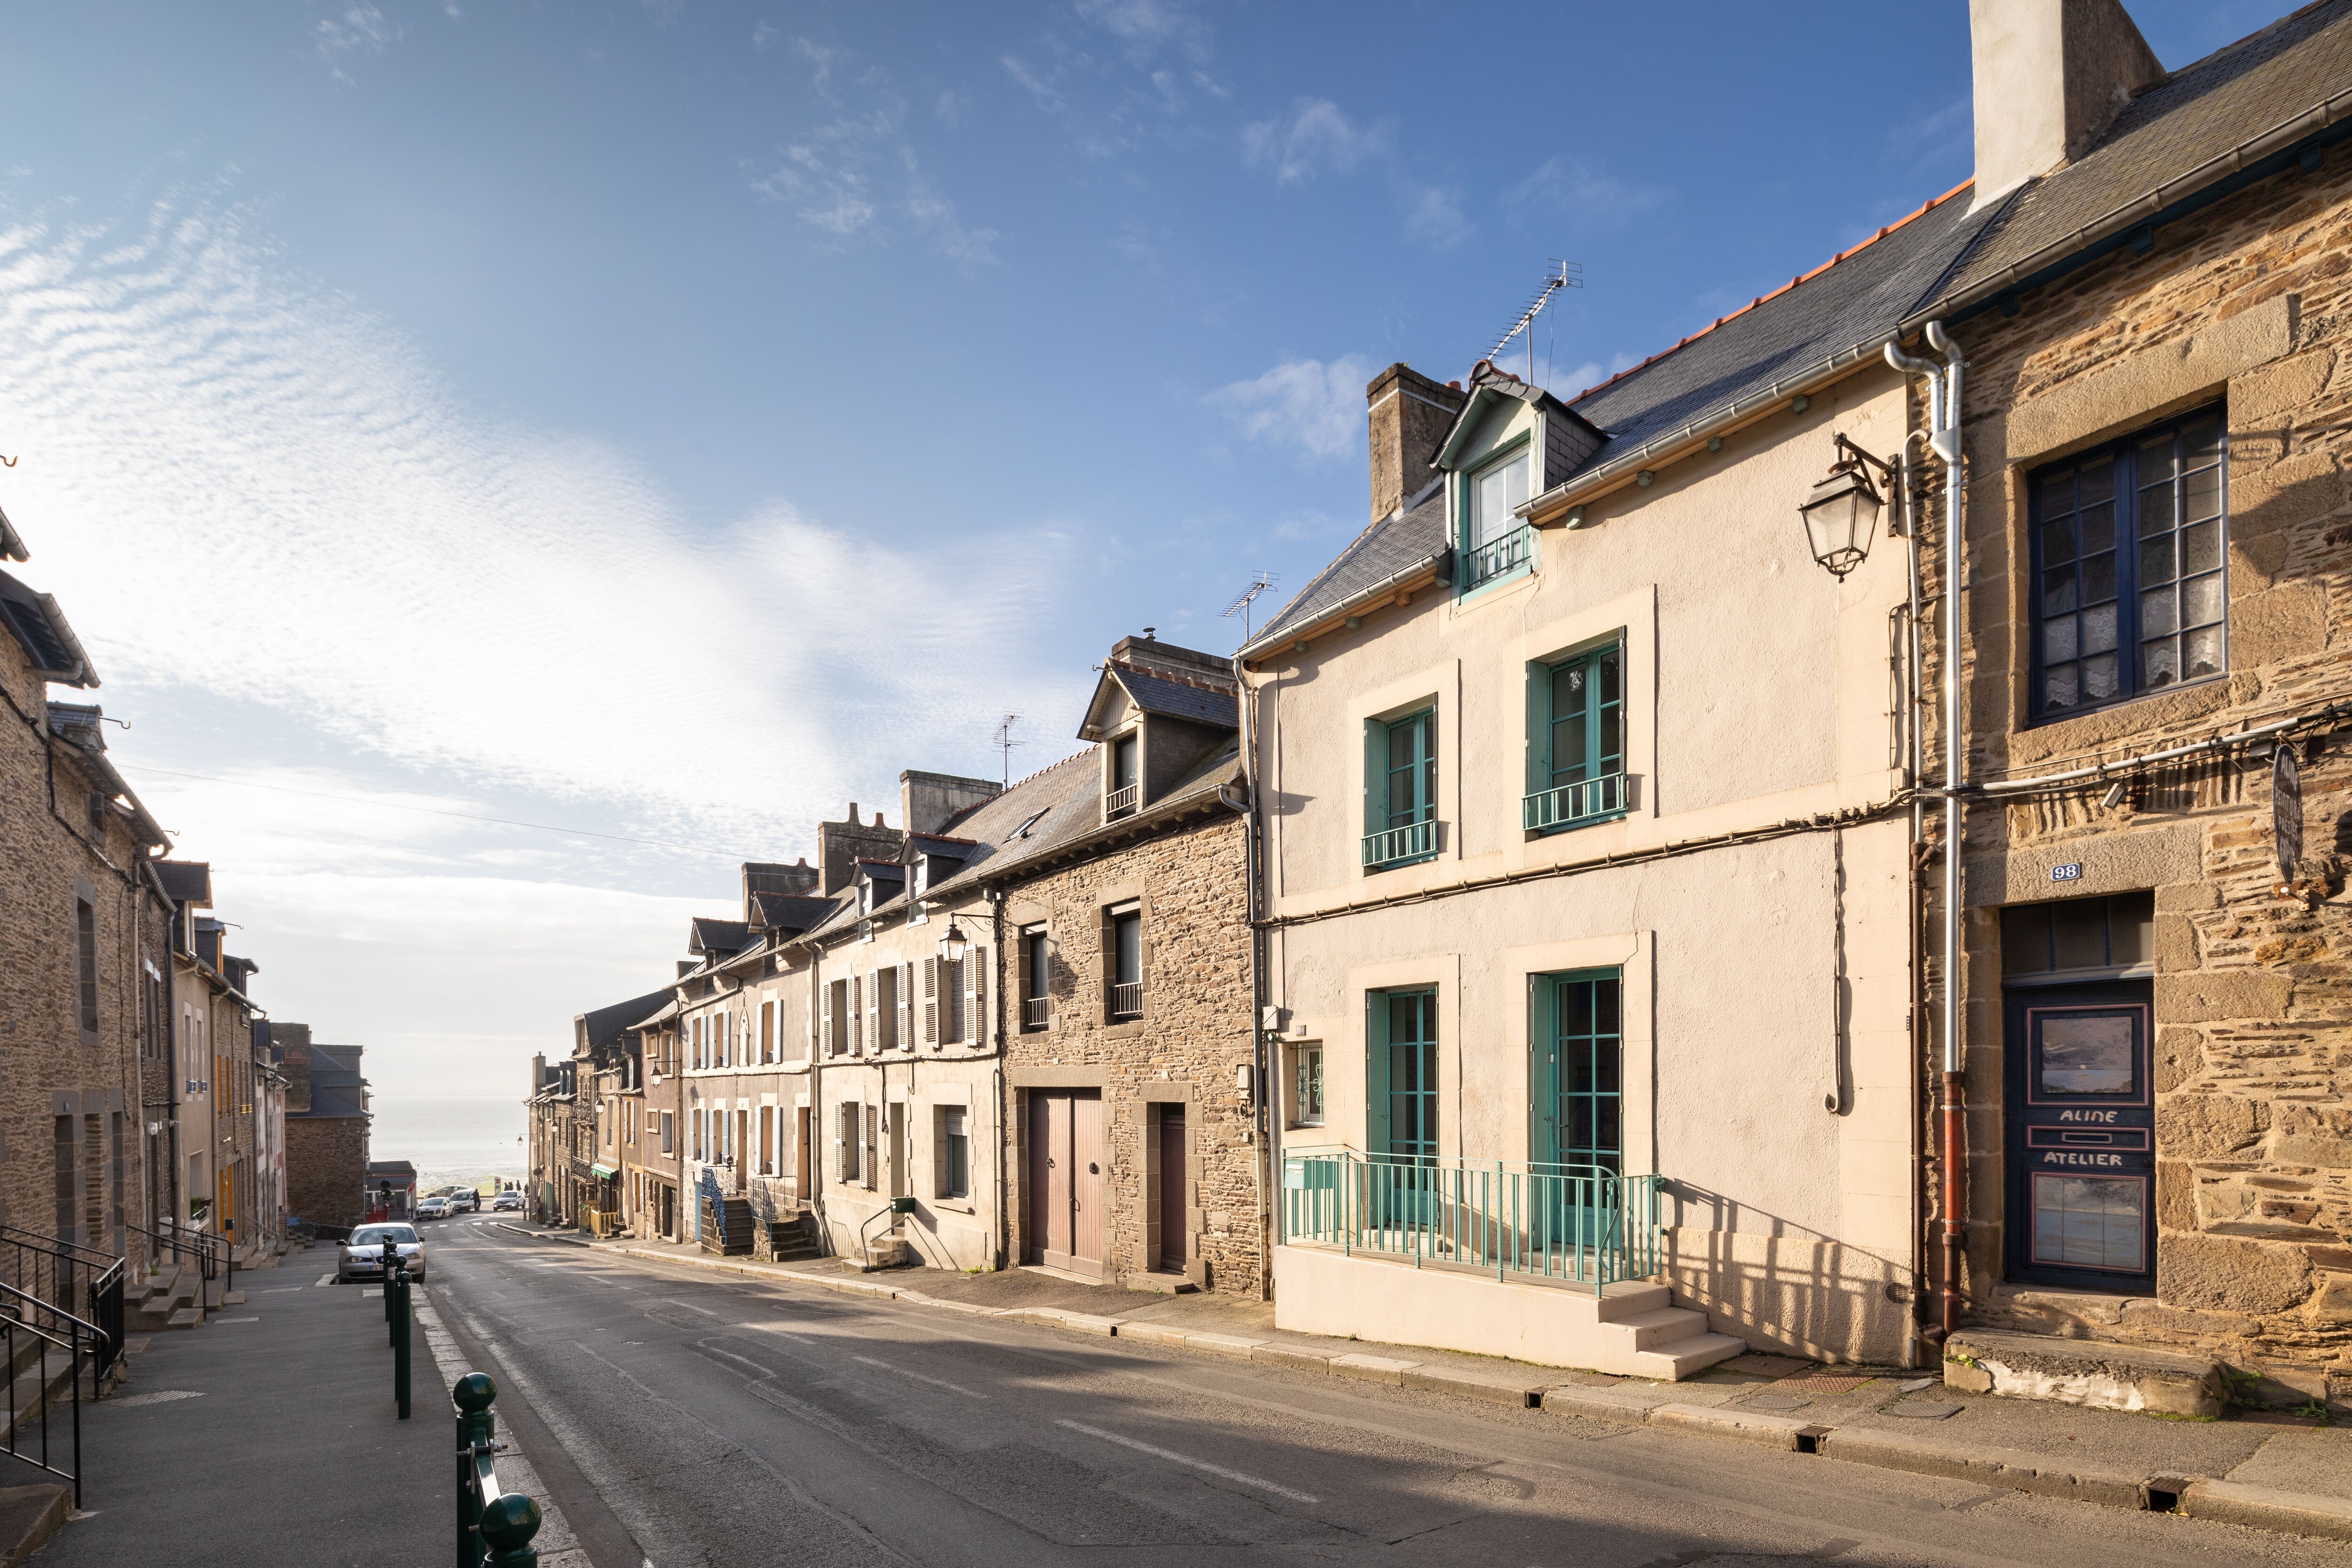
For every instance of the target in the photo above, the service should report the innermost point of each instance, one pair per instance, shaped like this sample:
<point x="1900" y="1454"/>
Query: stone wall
<point x="48" y="1070"/>
<point x="326" y="1168"/>
<point x="2251" y="302"/>
<point x="1196" y="1031"/>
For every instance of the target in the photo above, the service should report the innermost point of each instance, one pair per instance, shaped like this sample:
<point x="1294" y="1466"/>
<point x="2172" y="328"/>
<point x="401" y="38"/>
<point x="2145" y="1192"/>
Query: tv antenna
<point x="1258" y="584"/>
<point x="1571" y="275"/>
<point x="1004" y="743"/>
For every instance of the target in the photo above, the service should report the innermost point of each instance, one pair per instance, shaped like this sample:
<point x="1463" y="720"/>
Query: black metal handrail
<point x="208" y="1250"/>
<point x="76" y="1337"/>
<point x="47" y="1268"/>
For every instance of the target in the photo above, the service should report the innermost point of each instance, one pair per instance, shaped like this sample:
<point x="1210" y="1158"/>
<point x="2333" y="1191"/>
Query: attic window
<point x="1023" y="831"/>
<point x="1495" y="542"/>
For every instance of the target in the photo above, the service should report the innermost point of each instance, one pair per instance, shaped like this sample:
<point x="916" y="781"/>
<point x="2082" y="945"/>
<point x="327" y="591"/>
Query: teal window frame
<point x="1563" y="796"/>
<point x="1400" y="1074"/>
<point x="1400" y="798"/>
<point x="1577" y="1025"/>
<point x="1519" y="543"/>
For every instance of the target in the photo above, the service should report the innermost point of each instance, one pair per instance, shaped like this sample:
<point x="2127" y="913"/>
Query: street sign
<point x="2286" y="810"/>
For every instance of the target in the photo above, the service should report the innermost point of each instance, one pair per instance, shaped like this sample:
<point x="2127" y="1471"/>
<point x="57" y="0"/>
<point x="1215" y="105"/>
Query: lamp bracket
<point x="1856" y="455"/>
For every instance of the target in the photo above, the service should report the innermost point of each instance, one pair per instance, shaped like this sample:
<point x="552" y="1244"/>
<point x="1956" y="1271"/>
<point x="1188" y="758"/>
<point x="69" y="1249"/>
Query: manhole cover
<point x="1774" y="1402"/>
<point x="1822" y="1382"/>
<point x="1923" y="1410"/>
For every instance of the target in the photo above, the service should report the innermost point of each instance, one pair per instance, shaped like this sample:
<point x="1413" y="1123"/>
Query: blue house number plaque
<point x="2068" y="873"/>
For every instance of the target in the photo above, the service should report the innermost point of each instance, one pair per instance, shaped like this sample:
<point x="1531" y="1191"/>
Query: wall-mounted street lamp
<point x="951" y="945"/>
<point x="1841" y="513"/>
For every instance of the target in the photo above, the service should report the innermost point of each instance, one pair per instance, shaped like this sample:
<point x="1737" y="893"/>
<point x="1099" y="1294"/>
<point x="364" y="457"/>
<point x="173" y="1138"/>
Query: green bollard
<point x="508" y="1524"/>
<point x="403" y="1329"/>
<point x="391" y="1262"/>
<point x="473" y="1397"/>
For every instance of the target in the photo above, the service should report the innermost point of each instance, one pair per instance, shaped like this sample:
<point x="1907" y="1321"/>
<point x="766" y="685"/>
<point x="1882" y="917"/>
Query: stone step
<point x="1674" y="1361"/>
<point x="2091" y="1373"/>
<point x="1630" y="1299"/>
<point x="1667" y="1325"/>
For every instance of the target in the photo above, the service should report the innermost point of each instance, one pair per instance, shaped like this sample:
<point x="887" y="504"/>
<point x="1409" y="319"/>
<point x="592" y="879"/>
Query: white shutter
<point x="873" y="1132"/>
<point x="905" y="989"/>
<point x="977" y="1009"/>
<point x="825" y="1027"/>
<point x="874" y="1008"/>
<point x="856" y="998"/>
<point x="930" y="1001"/>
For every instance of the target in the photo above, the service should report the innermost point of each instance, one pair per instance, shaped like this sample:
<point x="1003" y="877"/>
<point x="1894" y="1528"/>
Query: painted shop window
<point x="1399" y="790"/>
<point x="2129" y="543"/>
<point x="1576" y="740"/>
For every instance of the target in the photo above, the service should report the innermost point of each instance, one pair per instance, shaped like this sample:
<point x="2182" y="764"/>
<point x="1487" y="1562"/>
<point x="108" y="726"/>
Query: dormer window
<point x="1495" y="541"/>
<point x="1125" y="786"/>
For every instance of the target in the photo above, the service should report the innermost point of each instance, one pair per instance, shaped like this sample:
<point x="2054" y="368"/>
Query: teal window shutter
<point x="1541" y="1061"/>
<point x="1538" y="728"/>
<point x="1376" y="775"/>
<point x="1376" y="1071"/>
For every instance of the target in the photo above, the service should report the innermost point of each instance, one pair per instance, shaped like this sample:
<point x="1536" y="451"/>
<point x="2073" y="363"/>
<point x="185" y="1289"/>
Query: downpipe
<point x="1944" y="387"/>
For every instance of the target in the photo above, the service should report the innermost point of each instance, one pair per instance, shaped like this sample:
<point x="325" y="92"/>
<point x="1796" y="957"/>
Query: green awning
<point x="604" y="1170"/>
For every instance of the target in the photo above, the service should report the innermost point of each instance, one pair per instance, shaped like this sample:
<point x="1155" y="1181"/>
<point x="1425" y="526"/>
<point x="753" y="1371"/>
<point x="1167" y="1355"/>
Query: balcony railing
<point x="1570" y="805"/>
<point x="1408" y="843"/>
<point x="1127" y="999"/>
<point x="1584" y="1224"/>
<point x="1498" y="557"/>
<point x="1121" y="802"/>
<point x="1035" y="1012"/>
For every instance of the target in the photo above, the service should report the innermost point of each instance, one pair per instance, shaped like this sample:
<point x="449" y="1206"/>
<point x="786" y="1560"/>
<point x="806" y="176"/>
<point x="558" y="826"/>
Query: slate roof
<point x="2198" y="113"/>
<point x="717" y="937"/>
<point x="41" y="629"/>
<point x="1156" y="693"/>
<point x="1398" y="542"/>
<point x="605" y="1025"/>
<point x="185" y="881"/>
<point x="11" y="543"/>
<point x="791" y="912"/>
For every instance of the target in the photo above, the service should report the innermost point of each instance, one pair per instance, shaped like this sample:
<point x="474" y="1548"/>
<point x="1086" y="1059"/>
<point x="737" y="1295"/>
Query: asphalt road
<point x="684" y="1419"/>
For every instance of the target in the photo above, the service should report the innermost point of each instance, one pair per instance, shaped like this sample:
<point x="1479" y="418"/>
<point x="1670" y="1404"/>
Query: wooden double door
<point x="1066" y="1180"/>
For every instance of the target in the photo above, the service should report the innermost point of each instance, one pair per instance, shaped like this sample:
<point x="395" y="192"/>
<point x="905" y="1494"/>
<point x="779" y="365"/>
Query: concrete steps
<point x="2084" y="1371"/>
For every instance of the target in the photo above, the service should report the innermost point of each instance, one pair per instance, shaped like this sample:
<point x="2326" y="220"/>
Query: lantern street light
<point x="1841" y="513"/>
<point x="952" y="945"/>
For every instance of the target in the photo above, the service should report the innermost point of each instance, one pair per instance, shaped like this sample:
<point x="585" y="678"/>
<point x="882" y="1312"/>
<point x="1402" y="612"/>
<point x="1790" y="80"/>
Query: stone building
<point x="2157" y="332"/>
<point x="327" y="1122"/>
<point x="83" y="948"/>
<point x="608" y="1066"/>
<point x="558" y="1155"/>
<point x="649" y="1161"/>
<point x="222" y="1065"/>
<point x="1122" y="913"/>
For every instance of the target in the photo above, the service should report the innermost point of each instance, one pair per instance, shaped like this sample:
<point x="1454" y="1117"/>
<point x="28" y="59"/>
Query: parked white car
<point x="362" y="1258"/>
<point x="433" y="1209"/>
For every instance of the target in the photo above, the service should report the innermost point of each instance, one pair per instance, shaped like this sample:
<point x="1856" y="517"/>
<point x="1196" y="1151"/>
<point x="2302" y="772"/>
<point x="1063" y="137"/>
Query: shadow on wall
<point x="1785" y="1287"/>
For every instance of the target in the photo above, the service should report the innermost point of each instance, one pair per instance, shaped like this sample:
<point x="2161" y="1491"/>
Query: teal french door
<point x="1578" y="1028"/>
<point x="1400" y="1080"/>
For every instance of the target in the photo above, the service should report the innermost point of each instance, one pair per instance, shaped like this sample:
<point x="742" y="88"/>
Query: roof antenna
<point x="1258" y="584"/>
<point x="1004" y="743"/>
<point x="1569" y="276"/>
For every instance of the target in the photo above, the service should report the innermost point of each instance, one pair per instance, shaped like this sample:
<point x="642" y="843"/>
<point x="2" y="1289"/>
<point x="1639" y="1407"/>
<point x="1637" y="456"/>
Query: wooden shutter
<point x="825" y="1027"/>
<point x="1538" y="728"/>
<point x="1021" y="982"/>
<point x="874" y="1009"/>
<point x="1376" y="1072"/>
<point x="873" y="1142"/>
<point x="1376" y="775"/>
<point x="930" y="1001"/>
<point x="767" y="1140"/>
<point x="767" y="1031"/>
<point x="978" y="1007"/>
<point x="857" y="1014"/>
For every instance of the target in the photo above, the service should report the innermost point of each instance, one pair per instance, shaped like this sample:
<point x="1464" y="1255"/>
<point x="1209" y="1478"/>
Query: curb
<point x="2259" y="1507"/>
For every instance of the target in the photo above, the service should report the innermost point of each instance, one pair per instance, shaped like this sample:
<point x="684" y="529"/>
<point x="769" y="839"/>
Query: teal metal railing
<point x="1572" y="804"/>
<point x="1498" y="557"/>
<point x="1410" y="842"/>
<point x="1583" y="1223"/>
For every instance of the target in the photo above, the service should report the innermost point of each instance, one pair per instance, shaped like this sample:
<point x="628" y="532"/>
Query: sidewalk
<point x="2257" y="1471"/>
<point x="286" y="1398"/>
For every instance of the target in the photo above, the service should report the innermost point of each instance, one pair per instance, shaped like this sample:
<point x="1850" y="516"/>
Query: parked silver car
<point x="505" y="1202"/>
<point x="362" y="1258"/>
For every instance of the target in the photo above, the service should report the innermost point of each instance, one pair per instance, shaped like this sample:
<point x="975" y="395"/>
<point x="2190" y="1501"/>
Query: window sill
<point x="1554" y="832"/>
<point x="1400" y="862"/>
<point x="1517" y="574"/>
<point x="2195" y="700"/>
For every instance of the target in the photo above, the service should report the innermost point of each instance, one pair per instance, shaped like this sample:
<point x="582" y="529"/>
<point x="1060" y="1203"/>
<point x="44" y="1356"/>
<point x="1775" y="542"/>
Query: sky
<point x="512" y="462"/>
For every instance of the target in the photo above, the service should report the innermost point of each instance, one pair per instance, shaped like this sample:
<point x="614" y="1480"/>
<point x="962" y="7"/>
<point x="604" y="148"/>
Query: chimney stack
<point x="1410" y="415"/>
<point x="2049" y="76"/>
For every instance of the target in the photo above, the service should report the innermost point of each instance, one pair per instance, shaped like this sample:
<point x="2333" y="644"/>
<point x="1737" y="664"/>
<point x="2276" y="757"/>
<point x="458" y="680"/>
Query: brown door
<point x="800" y="1153"/>
<point x="1085" y="1183"/>
<point x="1171" y="1188"/>
<point x="1049" y="1179"/>
<point x="742" y="1150"/>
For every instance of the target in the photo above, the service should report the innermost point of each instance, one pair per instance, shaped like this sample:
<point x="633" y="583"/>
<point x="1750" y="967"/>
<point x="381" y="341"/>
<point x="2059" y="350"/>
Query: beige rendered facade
<point x="1742" y="889"/>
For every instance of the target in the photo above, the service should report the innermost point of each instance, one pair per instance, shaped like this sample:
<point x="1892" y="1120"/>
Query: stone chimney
<point x="774" y="877"/>
<point x="1410" y="416"/>
<point x="841" y="844"/>
<point x="929" y="801"/>
<point x="2051" y="75"/>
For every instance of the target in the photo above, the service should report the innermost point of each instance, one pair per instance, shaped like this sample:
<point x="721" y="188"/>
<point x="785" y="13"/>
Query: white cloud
<point x="1435" y="219"/>
<point x="354" y="29"/>
<point x="1148" y="27"/>
<point x="1315" y="138"/>
<point x="1314" y="406"/>
<point x="1568" y="187"/>
<point x="859" y="174"/>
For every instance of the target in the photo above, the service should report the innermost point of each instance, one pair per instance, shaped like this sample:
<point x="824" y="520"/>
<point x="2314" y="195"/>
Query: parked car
<point x="464" y="1201"/>
<point x="507" y="1202"/>
<point x="362" y="1258"/>
<point x="433" y="1209"/>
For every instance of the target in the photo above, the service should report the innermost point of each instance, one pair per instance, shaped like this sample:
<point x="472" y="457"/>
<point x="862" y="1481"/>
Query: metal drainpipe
<point x="1261" y="1084"/>
<point x="1943" y="394"/>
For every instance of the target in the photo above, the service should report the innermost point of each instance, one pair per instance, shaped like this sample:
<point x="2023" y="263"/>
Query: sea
<point x="452" y="1142"/>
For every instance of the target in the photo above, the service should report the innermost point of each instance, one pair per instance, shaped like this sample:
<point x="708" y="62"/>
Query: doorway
<point x="800" y="1153"/>
<point x="1065" y="1153"/>
<point x="1174" y="1186"/>
<point x="2078" y="1101"/>
<point x="896" y="1112"/>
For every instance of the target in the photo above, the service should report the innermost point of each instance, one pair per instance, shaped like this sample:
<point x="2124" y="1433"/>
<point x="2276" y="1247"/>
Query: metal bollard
<point x="391" y="1262"/>
<point x="473" y="1397"/>
<point x="508" y="1524"/>
<point x="403" y="1328"/>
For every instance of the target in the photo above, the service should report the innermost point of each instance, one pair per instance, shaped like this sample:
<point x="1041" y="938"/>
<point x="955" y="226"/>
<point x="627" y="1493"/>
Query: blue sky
<point x="667" y="421"/>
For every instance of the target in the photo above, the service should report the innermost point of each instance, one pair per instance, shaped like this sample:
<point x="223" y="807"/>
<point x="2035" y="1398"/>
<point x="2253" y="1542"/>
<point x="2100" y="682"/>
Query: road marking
<point x="281" y="1290"/>
<point x="236" y="1319"/>
<point x="919" y="1377"/>
<point x="160" y="1396"/>
<point x="326" y="1279"/>
<point x="688" y="1306"/>
<point x="1174" y="1457"/>
<point x="780" y="1332"/>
